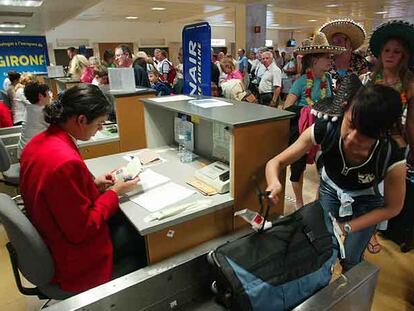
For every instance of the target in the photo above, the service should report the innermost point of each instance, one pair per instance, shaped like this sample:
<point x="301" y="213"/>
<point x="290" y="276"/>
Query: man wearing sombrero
<point x="349" y="35"/>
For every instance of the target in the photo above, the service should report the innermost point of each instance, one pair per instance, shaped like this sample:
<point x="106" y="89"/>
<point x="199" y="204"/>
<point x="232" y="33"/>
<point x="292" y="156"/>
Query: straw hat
<point x="333" y="106"/>
<point x="354" y="31"/>
<point x="319" y="44"/>
<point x="392" y="29"/>
<point x="142" y="54"/>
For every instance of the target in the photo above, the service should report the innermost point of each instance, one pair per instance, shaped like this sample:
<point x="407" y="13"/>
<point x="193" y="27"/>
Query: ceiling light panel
<point x="6" y="32"/>
<point x="24" y="3"/>
<point x="12" y="25"/>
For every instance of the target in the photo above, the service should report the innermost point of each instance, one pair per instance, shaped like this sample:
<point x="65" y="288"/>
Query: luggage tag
<point x="338" y="235"/>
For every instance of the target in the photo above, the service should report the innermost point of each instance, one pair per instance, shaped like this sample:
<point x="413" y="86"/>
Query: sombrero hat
<point x="334" y="106"/>
<point x="354" y="31"/>
<point x="319" y="44"/>
<point x="392" y="29"/>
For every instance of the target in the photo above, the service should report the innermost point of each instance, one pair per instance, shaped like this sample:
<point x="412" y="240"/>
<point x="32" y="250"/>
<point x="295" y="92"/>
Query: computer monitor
<point x="291" y="43"/>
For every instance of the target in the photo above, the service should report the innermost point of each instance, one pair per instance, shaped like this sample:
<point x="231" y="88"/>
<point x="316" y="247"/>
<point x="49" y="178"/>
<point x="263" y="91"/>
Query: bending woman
<point x="353" y="150"/>
<point x="77" y="215"/>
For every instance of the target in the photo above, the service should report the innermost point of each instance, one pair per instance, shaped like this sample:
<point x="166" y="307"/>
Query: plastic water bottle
<point x="184" y="137"/>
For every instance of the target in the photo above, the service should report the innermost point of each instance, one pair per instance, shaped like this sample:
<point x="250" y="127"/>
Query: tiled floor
<point x="395" y="288"/>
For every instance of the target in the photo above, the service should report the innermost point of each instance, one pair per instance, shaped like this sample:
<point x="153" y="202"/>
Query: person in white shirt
<point x="38" y="95"/>
<point x="163" y="66"/>
<point x="19" y="101"/>
<point x="271" y="81"/>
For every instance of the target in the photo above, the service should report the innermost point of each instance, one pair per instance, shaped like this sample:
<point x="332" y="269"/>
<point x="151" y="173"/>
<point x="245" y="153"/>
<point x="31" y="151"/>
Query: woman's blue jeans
<point x="356" y="242"/>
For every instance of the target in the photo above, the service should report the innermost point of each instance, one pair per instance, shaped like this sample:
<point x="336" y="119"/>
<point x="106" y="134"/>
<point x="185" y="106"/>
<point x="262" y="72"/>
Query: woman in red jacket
<point x="70" y="208"/>
<point x="5" y="115"/>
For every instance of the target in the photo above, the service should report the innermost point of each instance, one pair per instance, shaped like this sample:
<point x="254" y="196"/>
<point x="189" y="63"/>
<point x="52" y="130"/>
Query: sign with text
<point x="23" y="54"/>
<point x="197" y="59"/>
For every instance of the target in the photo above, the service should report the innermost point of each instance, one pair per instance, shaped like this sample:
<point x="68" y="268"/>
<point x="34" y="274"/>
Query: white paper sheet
<point x="209" y="103"/>
<point x="149" y="179"/>
<point x="165" y="99"/>
<point x="98" y="136"/>
<point x="121" y="79"/>
<point x="55" y="71"/>
<point x="162" y="196"/>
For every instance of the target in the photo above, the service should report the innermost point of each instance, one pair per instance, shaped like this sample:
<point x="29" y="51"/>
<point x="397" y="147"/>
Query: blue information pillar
<point x="197" y="59"/>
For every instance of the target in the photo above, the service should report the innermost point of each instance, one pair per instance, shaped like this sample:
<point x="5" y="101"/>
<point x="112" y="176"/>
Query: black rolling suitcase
<point x="277" y="268"/>
<point x="401" y="228"/>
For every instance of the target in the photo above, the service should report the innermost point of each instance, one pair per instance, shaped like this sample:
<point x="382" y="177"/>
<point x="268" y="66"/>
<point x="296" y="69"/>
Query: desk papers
<point x="162" y="196"/>
<point x="209" y="103"/>
<point x="149" y="179"/>
<point x="166" y="99"/>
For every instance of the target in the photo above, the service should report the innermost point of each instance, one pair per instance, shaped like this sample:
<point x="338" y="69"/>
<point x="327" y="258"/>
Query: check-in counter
<point x="254" y="135"/>
<point x="129" y="109"/>
<point x="104" y="143"/>
<point x="58" y="85"/>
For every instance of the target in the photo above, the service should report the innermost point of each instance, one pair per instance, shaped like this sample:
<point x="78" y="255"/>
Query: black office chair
<point x="28" y="253"/>
<point x="10" y="171"/>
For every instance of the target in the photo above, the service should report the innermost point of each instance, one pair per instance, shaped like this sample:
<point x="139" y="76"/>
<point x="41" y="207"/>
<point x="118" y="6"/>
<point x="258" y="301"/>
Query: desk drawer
<point x="181" y="237"/>
<point x="99" y="150"/>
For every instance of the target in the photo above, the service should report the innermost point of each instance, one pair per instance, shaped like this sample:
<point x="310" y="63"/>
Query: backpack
<point x="171" y="73"/>
<point x="277" y="268"/>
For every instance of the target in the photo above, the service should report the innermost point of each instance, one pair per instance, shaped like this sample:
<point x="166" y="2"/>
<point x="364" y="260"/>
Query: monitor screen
<point x="291" y="43"/>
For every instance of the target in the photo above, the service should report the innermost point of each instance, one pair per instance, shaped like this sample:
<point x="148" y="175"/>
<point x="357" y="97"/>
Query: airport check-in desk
<point x="183" y="282"/>
<point x="254" y="134"/>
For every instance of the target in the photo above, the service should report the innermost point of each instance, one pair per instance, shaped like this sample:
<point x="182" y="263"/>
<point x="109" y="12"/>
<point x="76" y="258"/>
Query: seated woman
<point x="358" y="153"/>
<point x="162" y="88"/>
<point x="76" y="214"/>
<point x="34" y="122"/>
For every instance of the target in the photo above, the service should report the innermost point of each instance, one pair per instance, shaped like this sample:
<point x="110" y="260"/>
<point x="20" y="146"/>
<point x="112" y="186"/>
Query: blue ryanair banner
<point x="23" y="54"/>
<point x="197" y="59"/>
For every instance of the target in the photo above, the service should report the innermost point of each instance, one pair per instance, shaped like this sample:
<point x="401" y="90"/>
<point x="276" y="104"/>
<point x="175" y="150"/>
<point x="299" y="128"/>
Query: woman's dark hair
<point x="108" y="54"/>
<point x="375" y="110"/>
<point x="83" y="99"/>
<point x="13" y="76"/>
<point x="32" y="91"/>
<point x="307" y="61"/>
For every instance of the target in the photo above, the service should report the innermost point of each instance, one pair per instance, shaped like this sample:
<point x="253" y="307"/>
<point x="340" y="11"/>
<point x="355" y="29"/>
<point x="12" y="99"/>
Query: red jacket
<point x="67" y="209"/>
<point x="5" y="115"/>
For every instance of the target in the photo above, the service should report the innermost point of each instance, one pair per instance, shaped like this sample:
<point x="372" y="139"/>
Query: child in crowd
<point x="162" y="88"/>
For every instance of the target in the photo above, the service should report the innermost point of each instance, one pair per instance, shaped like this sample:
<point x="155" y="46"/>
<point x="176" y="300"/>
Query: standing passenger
<point x="312" y="86"/>
<point x="271" y="81"/>
<point x="349" y="35"/>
